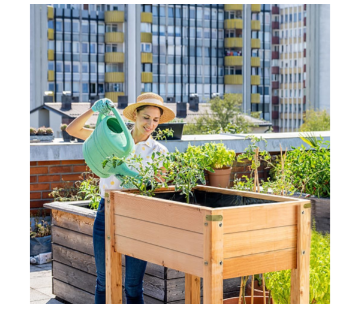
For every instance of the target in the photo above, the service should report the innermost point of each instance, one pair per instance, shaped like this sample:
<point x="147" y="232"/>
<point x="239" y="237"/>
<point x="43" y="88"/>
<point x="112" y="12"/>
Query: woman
<point x="147" y="113"/>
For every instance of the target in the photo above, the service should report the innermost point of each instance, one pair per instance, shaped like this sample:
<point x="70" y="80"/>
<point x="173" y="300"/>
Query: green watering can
<point x="110" y="137"/>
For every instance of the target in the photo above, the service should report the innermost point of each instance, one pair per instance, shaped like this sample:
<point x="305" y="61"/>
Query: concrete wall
<point x="34" y="119"/>
<point x="55" y="123"/>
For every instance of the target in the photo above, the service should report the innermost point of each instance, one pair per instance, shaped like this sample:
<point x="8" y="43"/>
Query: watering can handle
<point x="127" y="133"/>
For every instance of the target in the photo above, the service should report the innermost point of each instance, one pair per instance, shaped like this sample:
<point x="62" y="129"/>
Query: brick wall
<point x="46" y="175"/>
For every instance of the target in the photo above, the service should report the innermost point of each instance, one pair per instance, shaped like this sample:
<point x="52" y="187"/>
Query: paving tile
<point x="34" y="268"/>
<point x="40" y="282"/>
<point x="41" y="274"/>
<point x="47" y="291"/>
<point x="36" y="295"/>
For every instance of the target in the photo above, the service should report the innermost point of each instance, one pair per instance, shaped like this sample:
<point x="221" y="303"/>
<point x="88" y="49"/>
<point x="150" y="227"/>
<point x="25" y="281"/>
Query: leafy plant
<point x="89" y="187"/>
<point x="163" y="134"/>
<point x="316" y="121"/>
<point x="63" y="127"/>
<point x="41" y="131"/>
<point x="49" y="131"/>
<point x="146" y="182"/>
<point x="33" y="131"/>
<point x="42" y="229"/>
<point x="319" y="274"/>
<point x="217" y="155"/>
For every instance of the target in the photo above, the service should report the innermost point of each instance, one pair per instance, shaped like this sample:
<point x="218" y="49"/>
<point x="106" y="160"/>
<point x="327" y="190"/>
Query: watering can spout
<point x="110" y="137"/>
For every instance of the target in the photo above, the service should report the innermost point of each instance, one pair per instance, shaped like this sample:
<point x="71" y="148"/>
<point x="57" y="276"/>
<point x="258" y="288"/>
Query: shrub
<point x="41" y="131"/>
<point x="49" y="131"/>
<point x="63" y="127"/>
<point x="33" y="131"/>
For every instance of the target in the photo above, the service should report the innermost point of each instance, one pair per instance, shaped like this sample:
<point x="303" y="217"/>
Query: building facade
<point x="180" y="50"/>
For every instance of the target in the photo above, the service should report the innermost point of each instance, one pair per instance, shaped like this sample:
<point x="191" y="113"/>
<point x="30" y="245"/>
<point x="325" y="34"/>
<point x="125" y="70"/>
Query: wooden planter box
<point x="257" y="233"/>
<point x="74" y="270"/>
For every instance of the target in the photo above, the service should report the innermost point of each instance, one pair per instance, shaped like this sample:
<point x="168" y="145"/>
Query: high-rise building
<point x="262" y="52"/>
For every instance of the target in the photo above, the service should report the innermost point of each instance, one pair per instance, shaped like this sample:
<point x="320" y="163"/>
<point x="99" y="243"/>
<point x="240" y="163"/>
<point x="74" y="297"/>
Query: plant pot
<point x="42" y="138"/>
<point x="80" y="140"/>
<point x="176" y="127"/>
<point x="66" y="136"/>
<point x="220" y="177"/>
<point x="40" y="245"/>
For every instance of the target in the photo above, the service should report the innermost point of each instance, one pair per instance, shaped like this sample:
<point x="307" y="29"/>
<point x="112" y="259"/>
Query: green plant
<point x="63" y="127"/>
<point x="146" y="183"/>
<point x="33" y="131"/>
<point x="316" y="121"/>
<point x="89" y="188"/>
<point x="163" y="134"/>
<point x="41" y="131"/>
<point x="217" y="154"/>
<point x="319" y="275"/>
<point x="42" y="229"/>
<point x="49" y="131"/>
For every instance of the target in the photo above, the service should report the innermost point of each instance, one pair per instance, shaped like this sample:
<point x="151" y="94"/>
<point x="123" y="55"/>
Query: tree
<point x="226" y="111"/>
<point x="316" y="121"/>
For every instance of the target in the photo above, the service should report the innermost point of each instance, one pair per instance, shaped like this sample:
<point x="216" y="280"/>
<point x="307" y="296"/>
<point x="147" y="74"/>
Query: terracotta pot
<point x="220" y="177"/>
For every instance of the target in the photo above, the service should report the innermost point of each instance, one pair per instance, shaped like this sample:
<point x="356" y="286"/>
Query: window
<point x="299" y="16"/>
<point x="206" y="14"/>
<point x="178" y="31"/>
<point x="220" y="34"/>
<point x="58" y="87"/>
<point x="100" y="88"/>
<point x="199" y="13"/>
<point x="67" y="47"/>
<point x="85" y="26"/>
<point x="162" y="11"/>
<point x="84" y="48"/>
<point x="101" y="28"/>
<point x="85" y="88"/>
<point x="199" y="33"/>
<point x="146" y="47"/>
<point x="192" y="32"/>
<point x="93" y="28"/>
<point x="75" y="47"/>
<point x="192" y="13"/>
<point x="145" y="27"/>
<point x="162" y="31"/>
<point x="67" y="86"/>
<point x="170" y="12"/>
<point x="171" y="50"/>
<point x="207" y="34"/>
<point x="50" y="45"/>
<point x="199" y="51"/>
<point x="50" y="24"/>
<point x="85" y="68"/>
<point x="170" y="31"/>
<point x="220" y="15"/>
<point x="93" y="48"/>
<point x="58" y="26"/>
<point x="67" y="25"/>
<point x="214" y="33"/>
<point x="178" y="12"/>
<point x="101" y="48"/>
<point x="146" y="8"/>
<point x="59" y="47"/>
<point x="170" y="69"/>
<point x="76" y="67"/>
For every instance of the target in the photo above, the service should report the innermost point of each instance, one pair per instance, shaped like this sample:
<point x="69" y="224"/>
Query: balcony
<point x="304" y="7"/>
<point x="275" y="70"/>
<point x="305" y="21"/>
<point x="305" y="68"/>
<point x="114" y="57"/>
<point x="146" y="77"/>
<point x="275" y="55"/>
<point x="233" y="61"/>
<point x="255" y="25"/>
<point x="275" y="84"/>
<point x="304" y="84"/>
<point x="113" y="96"/>
<point x="233" y="24"/>
<point x="304" y="99"/>
<point x="255" y="79"/>
<point x="233" y="79"/>
<point x="50" y="55"/>
<point x="50" y="12"/>
<point x="255" y="43"/>
<point x="114" y="17"/>
<point x="305" y="53"/>
<point x="146" y="58"/>
<point x="233" y="42"/>
<point x="114" y="37"/>
<point x="50" y="75"/>
<point x="275" y="10"/>
<point x="146" y="37"/>
<point x="255" y="98"/>
<point x="146" y="17"/>
<point x="256" y="7"/>
<point x="50" y="34"/>
<point x="275" y="25"/>
<point x="275" y="40"/>
<point x="114" y="77"/>
<point x="275" y="100"/>
<point x="305" y="37"/>
<point x="275" y="115"/>
<point x="233" y="7"/>
<point x="255" y="62"/>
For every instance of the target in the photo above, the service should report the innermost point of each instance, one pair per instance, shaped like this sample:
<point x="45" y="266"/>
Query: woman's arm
<point x="76" y="127"/>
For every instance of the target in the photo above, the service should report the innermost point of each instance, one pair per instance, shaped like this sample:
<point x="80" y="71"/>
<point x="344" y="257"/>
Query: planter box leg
<point x="213" y="260"/>
<point x="300" y="276"/>
<point x="113" y="259"/>
<point x="192" y="289"/>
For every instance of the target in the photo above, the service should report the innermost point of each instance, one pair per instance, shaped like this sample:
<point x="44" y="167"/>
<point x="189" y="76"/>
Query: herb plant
<point x="42" y="229"/>
<point x="163" y="134"/>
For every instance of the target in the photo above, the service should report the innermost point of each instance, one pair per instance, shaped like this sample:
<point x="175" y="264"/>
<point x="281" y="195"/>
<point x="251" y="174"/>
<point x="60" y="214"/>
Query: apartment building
<point x="179" y="51"/>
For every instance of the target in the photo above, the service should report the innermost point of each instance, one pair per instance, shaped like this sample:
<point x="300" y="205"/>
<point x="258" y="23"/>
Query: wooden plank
<point x="213" y="261"/>
<point x="192" y="289"/>
<point x="159" y="255"/>
<point x="74" y="207"/>
<point x="164" y="236"/>
<point x="259" y="241"/>
<point x="259" y="263"/>
<point x="74" y="222"/>
<point x="73" y="240"/>
<point x="113" y="259"/>
<point x="259" y="217"/>
<point x="171" y="213"/>
<point x="74" y="277"/>
<point x="247" y="194"/>
<point x="300" y="273"/>
<point x="74" y="259"/>
<point x="71" y="294"/>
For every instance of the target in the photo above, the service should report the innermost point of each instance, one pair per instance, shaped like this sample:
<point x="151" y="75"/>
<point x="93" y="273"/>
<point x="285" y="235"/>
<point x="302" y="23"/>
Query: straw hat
<point x="151" y="99"/>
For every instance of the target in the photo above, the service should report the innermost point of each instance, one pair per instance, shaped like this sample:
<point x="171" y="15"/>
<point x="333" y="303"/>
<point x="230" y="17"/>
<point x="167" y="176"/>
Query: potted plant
<point x="65" y="134"/>
<point x="40" y="237"/>
<point x="220" y="161"/>
<point x="32" y="131"/>
<point x="43" y="134"/>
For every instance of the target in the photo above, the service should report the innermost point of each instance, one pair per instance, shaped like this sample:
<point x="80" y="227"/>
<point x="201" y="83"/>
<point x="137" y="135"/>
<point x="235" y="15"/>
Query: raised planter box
<point x="44" y="138"/>
<point x="74" y="270"/>
<point x="226" y="234"/>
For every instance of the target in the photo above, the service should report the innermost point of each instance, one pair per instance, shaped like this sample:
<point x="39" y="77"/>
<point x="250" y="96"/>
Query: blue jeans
<point x="135" y="268"/>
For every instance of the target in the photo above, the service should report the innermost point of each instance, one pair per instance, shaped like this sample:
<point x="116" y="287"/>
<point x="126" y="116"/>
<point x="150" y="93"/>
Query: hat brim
<point x="168" y="114"/>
